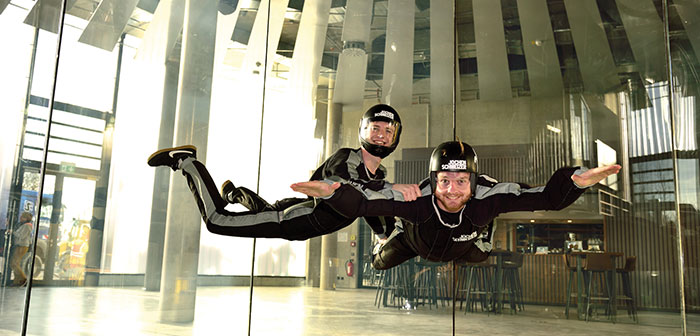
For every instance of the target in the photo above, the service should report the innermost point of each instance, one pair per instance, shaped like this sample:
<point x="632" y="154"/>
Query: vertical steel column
<point x="442" y="71"/>
<point x="349" y="88"/>
<point x="42" y="171"/>
<point x="674" y="156"/>
<point x="183" y="225"/>
<point x="397" y="81"/>
<point x="161" y="181"/>
<point x="13" y="209"/>
<point x="157" y="46"/>
<point x="303" y="82"/>
<point x="329" y="242"/>
<point x="94" y="255"/>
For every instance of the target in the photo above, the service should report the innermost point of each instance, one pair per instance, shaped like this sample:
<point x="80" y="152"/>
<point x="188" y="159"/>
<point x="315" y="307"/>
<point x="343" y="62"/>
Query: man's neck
<point x="442" y="207"/>
<point x="371" y="162"/>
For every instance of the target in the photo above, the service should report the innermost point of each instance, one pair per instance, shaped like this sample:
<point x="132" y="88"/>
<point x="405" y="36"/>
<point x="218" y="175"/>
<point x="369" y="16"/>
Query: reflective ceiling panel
<point x="107" y="23"/>
<point x="3" y="5"/>
<point x="491" y="57"/>
<point x="595" y="59"/>
<point x="540" y="50"/>
<point x="689" y="11"/>
<point x="46" y="13"/>
<point x="645" y="32"/>
<point x="167" y="21"/>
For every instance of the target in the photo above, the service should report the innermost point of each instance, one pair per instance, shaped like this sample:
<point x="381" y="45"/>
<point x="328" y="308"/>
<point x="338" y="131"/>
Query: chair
<point x="627" y="295"/>
<point x="599" y="267"/>
<point x="511" y="281"/>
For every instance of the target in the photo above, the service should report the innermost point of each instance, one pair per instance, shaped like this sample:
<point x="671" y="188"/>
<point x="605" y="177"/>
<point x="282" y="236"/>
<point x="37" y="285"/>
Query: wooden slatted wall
<point x="646" y="233"/>
<point x="544" y="278"/>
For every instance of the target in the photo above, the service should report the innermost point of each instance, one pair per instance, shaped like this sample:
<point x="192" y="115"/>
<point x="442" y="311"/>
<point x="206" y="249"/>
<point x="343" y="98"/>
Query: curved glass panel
<point x="268" y="91"/>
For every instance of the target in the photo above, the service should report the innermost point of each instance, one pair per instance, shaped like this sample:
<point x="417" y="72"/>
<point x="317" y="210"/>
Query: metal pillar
<point x="329" y="242"/>
<point x="161" y="183"/>
<point x="183" y="225"/>
<point x="442" y="71"/>
<point x="397" y="82"/>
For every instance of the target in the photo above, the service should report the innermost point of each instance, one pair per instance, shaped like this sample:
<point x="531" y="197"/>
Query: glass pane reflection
<point x="542" y="84"/>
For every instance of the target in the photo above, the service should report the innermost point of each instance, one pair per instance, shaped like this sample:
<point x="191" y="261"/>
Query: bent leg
<point x="16" y="264"/>
<point x="394" y="252"/>
<point x="253" y="202"/>
<point x="250" y="200"/>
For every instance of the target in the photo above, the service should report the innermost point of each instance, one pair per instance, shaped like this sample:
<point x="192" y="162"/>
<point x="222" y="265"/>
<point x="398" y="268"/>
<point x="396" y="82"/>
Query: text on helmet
<point x="455" y="165"/>
<point x="385" y="114"/>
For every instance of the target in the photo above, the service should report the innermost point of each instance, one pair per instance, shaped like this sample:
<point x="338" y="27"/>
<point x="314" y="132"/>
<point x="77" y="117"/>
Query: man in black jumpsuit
<point x="298" y="218"/>
<point x="447" y="224"/>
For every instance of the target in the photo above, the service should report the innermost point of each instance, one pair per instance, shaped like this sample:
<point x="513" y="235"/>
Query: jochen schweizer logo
<point x="385" y="114"/>
<point x="455" y="165"/>
<point x="464" y="237"/>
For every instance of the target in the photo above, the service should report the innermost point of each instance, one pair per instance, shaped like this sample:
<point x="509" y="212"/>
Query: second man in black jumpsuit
<point x="298" y="218"/>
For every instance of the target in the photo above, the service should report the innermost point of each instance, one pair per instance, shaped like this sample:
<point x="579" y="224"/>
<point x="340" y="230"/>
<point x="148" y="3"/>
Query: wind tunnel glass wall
<point x="267" y="90"/>
<point x="568" y="83"/>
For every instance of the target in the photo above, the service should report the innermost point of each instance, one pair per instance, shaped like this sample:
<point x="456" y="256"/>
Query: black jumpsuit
<point x="288" y="218"/>
<point x="437" y="235"/>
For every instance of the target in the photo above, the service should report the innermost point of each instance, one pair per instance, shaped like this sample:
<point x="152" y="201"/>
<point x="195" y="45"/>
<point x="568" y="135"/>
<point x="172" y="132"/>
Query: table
<point x="580" y="282"/>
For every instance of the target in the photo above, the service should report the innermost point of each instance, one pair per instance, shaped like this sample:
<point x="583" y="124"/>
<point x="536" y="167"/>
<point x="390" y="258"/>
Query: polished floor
<point x="294" y="311"/>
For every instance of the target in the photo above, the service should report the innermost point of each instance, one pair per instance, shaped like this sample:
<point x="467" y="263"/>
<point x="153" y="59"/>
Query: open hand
<point x="315" y="188"/>
<point x="595" y="175"/>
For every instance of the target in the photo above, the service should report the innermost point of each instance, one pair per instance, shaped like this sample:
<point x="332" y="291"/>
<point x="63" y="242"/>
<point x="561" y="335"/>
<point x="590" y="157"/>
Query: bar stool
<point x="475" y="285"/>
<point x="511" y="281"/>
<point x="394" y="287"/>
<point x="571" y="268"/>
<point x="426" y="283"/>
<point x="627" y="296"/>
<point x="599" y="268"/>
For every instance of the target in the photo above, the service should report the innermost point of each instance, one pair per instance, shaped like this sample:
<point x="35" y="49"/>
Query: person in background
<point x="21" y="240"/>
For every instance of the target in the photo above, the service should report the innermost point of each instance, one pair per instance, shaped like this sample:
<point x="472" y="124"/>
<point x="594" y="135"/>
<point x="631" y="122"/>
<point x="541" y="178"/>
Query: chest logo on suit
<point x="464" y="237"/>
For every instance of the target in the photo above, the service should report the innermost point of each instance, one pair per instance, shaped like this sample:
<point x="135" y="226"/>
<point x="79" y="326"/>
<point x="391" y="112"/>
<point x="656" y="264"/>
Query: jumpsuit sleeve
<point x="350" y="202"/>
<point x="343" y="166"/>
<point x="559" y="192"/>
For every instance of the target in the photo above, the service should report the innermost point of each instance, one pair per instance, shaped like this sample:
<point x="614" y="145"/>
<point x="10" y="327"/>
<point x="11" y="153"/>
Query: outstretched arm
<point x="315" y="188"/>
<point x="410" y="191"/>
<point x="595" y="175"/>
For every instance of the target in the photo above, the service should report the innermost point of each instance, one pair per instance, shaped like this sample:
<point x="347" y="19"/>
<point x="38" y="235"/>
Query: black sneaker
<point x="228" y="191"/>
<point x="170" y="157"/>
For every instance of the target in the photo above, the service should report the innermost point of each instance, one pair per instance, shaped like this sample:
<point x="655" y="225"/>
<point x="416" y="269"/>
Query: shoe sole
<point x="186" y="148"/>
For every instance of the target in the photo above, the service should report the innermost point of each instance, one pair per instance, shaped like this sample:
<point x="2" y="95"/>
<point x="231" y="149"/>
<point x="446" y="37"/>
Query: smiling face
<point x="452" y="190"/>
<point x="380" y="133"/>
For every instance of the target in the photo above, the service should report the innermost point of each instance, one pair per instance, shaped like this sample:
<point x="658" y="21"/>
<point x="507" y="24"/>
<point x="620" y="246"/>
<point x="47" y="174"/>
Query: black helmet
<point x="454" y="156"/>
<point x="380" y="112"/>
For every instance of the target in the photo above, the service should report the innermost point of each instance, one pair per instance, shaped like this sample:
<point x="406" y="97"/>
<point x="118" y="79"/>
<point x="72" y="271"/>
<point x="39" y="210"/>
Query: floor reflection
<point x="290" y="311"/>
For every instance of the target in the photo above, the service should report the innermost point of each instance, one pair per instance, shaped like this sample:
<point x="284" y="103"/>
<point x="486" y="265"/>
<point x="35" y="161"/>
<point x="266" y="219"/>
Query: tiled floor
<point x="293" y="311"/>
